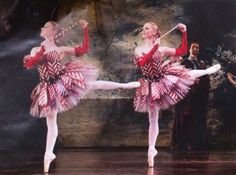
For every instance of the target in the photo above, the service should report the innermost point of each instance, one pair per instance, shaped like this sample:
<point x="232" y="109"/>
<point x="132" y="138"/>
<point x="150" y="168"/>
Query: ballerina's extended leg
<point x="51" y="140"/>
<point x="152" y="136"/>
<point x="106" y="85"/>
<point x="208" y="71"/>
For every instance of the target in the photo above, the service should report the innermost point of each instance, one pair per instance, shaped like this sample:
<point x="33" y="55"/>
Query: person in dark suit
<point x="190" y="128"/>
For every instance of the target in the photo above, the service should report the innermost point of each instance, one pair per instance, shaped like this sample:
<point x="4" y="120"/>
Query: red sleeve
<point x="144" y="59"/>
<point x="180" y="51"/>
<point x="80" y="50"/>
<point x="30" y="61"/>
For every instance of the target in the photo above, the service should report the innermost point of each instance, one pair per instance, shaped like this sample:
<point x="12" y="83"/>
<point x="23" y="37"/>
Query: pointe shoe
<point x="151" y="154"/>
<point x="48" y="158"/>
<point x="213" y="69"/>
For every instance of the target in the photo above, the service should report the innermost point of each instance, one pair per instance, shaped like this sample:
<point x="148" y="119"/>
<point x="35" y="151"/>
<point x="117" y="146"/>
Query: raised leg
<point x="107" y="85"/>
<point x="208" y="71"/>
<point x="152" y="135"/>
<point x="52" y="134"/>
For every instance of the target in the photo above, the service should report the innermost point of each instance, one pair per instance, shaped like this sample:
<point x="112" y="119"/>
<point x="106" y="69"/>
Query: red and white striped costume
<point x="164" y="83"/>
<point x="60" y="87"/>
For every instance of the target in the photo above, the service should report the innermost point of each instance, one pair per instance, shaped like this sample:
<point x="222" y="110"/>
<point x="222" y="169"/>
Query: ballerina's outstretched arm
<point x="180" y="51"/>
<point x="80" y="49"/>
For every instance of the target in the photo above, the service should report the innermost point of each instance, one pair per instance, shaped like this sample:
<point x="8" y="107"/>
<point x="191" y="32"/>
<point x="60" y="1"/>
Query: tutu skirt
<point x="63" y="92"/>
<point x="169" y="89"/>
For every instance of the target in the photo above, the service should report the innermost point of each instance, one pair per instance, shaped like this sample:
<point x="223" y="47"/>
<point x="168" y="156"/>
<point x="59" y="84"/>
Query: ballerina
<point x="164" y="82"/>
<point x="61" y="87"/>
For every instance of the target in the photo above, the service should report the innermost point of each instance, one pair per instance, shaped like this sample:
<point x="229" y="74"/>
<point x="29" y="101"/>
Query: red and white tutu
<point x="164" y="84"/>
<point x="60" y="87"/>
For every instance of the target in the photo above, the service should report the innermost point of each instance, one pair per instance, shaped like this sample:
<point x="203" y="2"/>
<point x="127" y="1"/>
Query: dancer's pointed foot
<point x="151" y="155"/>
<point x="213" y="69"/>
<point x="48" y="158"/>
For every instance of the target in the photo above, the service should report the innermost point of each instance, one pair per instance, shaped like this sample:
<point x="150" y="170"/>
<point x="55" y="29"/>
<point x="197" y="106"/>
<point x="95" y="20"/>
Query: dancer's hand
<point x="182" y="27"/>
<point x="83" y="23"/>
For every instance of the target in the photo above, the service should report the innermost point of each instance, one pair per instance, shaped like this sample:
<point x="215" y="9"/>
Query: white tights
<point x="106" y="85"/>
<point x="52" y="133"/>
<point x="208" y="71"/>
<point x="198" y="73"/>
<point x="153" y="128"/>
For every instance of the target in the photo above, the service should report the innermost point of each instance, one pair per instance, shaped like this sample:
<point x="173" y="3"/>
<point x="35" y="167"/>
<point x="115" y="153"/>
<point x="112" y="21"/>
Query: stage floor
<point x="121" y="161"/>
